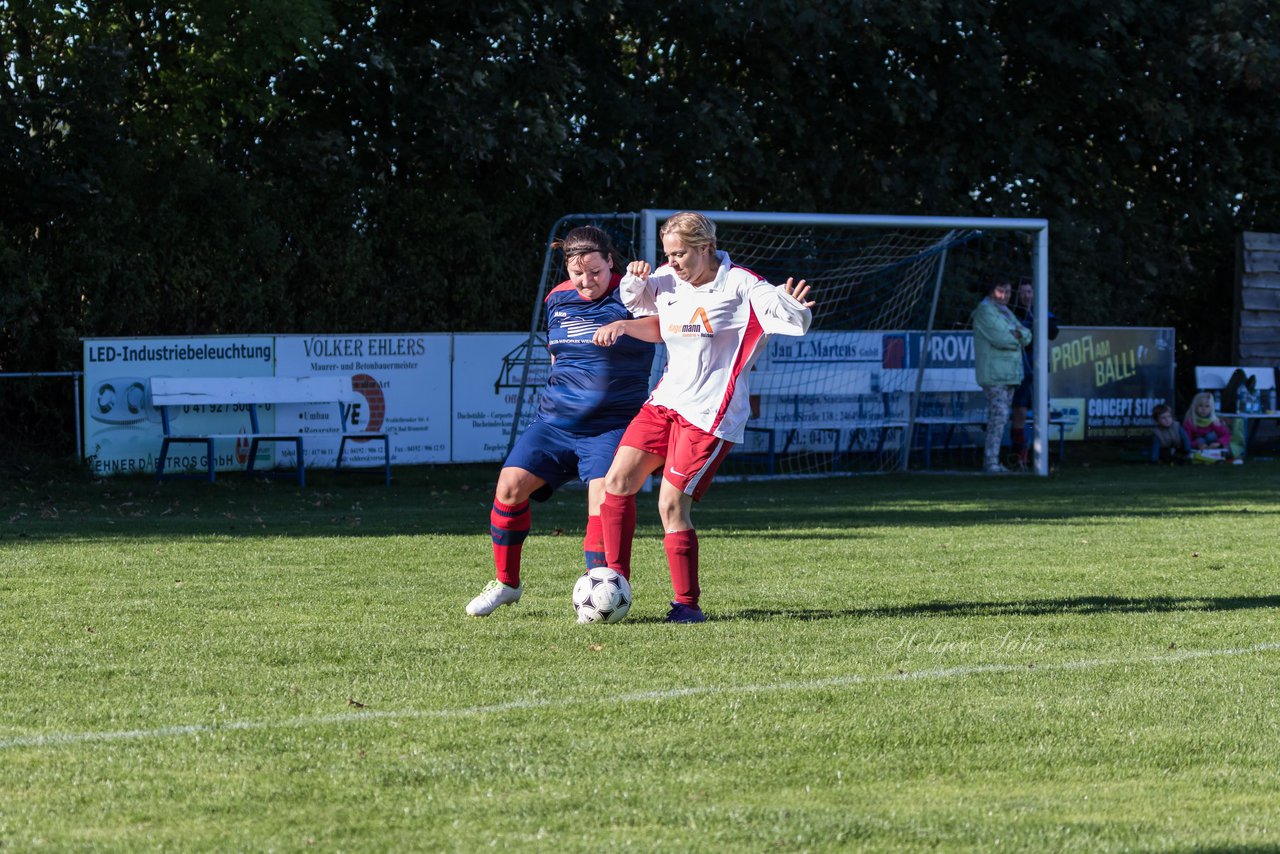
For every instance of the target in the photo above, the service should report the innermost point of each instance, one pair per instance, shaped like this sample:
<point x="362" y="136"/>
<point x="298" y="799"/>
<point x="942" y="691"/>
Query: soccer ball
<point x="601" y="595"/>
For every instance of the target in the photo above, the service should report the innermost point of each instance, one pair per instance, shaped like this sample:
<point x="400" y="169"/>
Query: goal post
<point x="884" y="379"/>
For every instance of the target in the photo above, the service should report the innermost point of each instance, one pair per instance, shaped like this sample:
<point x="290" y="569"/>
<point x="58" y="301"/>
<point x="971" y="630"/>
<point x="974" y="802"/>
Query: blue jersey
<point x="1029" y="352"/>
<point x="592" y="389"/>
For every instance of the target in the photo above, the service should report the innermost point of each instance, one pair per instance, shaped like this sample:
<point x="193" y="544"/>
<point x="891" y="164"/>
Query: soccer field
<point x="1085" y="662"/>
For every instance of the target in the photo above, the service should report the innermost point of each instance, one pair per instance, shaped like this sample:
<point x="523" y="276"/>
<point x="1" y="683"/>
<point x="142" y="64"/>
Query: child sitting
<point x="1170" y="444"/>
<point x="1204" y="428"/>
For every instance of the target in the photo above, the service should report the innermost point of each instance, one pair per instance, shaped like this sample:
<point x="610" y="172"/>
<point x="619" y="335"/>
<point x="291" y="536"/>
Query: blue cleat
<point x="680" y="613"/>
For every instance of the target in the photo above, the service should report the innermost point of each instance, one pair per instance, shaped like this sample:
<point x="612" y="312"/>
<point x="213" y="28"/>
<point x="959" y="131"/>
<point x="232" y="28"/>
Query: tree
<point x="335" y="165"/>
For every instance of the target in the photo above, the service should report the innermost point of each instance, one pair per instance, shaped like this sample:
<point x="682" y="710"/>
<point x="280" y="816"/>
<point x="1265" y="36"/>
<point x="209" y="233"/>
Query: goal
<point x="884" y="380"/>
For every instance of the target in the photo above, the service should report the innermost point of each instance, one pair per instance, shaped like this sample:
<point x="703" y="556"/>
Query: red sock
<point x="593" y="543"/>
<point x="682" y="559"/>
<point x="618" y="524"/>
<point x="508" y="525"/>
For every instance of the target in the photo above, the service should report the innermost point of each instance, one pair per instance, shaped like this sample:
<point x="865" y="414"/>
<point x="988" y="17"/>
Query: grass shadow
<point x="455" y="500"/>
<point x="1024" y="607"/>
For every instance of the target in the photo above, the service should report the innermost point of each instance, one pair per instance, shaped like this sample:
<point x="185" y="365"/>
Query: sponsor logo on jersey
<point x="576" y="329"/>
<point x="699" y="326"/>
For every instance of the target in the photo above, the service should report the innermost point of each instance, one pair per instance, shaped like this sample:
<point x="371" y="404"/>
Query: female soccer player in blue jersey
<point x="600" y="362"/>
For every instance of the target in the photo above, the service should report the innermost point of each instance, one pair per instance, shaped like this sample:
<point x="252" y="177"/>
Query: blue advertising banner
<point x="1104" y="381"/>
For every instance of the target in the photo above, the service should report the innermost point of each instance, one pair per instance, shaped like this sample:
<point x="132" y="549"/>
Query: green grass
<point x="1086" y="662"/>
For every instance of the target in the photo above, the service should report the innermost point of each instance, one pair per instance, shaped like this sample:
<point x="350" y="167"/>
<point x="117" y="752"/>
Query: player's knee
<point x="507" y="496"/>
<point x="673" y="513"/>
<point x="511" y="489"/>
<point x="619" y="483"/>
<point x="624" y="479"/>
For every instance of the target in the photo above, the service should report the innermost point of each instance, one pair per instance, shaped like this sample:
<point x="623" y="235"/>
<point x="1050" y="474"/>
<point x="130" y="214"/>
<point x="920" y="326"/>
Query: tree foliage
<point x="302" y="165"/>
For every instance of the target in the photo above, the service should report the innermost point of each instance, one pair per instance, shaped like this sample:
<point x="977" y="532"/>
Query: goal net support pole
<point x="928" y="337"/>
<point x="1040" y="336"/>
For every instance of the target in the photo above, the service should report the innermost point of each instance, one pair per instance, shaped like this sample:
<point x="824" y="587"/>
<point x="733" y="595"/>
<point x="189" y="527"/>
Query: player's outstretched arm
<point x="643" y="328"/>
<point x="783" y="309"/>
<point x="636" y="292"/>
<point x="798" y="290"/>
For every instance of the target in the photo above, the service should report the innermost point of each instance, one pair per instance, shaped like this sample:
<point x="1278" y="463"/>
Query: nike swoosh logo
<point x="672" y="469"/>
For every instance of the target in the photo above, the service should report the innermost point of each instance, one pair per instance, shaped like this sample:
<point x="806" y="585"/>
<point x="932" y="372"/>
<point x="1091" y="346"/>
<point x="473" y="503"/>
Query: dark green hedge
<point x="295" y="166"/>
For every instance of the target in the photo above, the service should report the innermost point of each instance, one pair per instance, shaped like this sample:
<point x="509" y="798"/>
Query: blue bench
<point x="926" y="430"/>
<point x="245" y="395"/>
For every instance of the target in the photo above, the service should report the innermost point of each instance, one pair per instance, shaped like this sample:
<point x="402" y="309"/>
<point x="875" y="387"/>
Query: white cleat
<point x="494" y="594"/>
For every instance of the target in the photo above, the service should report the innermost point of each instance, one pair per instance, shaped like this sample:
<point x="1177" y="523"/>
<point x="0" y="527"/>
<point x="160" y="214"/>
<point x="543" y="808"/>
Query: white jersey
<point x="714" y="333"/>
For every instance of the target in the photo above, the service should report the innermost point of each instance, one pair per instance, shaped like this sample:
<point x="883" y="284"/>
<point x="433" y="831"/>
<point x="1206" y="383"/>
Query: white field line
<point x="961" y="671"/>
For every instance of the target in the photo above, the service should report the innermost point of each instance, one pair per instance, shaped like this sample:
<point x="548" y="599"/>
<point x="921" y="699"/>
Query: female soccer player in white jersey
<point x="714" y="318"/>
<point x="601" y="357"/>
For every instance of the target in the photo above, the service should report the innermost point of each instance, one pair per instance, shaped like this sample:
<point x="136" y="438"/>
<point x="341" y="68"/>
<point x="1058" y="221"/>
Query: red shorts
<point x="691" y="454"/>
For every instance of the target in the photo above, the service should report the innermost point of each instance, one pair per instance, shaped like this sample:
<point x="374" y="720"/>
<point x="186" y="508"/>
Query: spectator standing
<point x="998" y="342"/>
<point x="1024" y="394"/>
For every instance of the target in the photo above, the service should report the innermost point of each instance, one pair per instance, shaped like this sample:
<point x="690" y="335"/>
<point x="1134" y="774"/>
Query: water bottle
<point x="1247" y="401"/>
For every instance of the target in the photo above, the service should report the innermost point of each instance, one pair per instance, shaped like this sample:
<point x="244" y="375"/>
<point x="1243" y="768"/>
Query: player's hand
<point x="799" y="290"/>
<point x="608" y="334"/>
<point x="639" y="269"/>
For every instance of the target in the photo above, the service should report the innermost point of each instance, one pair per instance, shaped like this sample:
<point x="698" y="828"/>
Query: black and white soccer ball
<point x="601" y="595"/>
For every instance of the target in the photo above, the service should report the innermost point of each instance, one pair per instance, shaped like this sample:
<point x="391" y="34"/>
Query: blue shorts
<point x="1022" y="394"/>
<point x="557" y="456"/>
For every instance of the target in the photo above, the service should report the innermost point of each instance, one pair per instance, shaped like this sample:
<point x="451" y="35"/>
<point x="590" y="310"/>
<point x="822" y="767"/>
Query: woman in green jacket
<point x="998" y="339"/>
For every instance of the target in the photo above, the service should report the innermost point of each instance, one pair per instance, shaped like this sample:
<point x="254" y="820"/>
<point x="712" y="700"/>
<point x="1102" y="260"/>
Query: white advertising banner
<point x="486" y="371"/>
<point x="404" y="379"/>
<point x="441" y="397"/>
<point x="122" y="430"/>
<point x="830" y="384"/>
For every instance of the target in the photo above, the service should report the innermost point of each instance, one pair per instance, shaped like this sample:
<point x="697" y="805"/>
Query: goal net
<point x="884" y="380"/>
